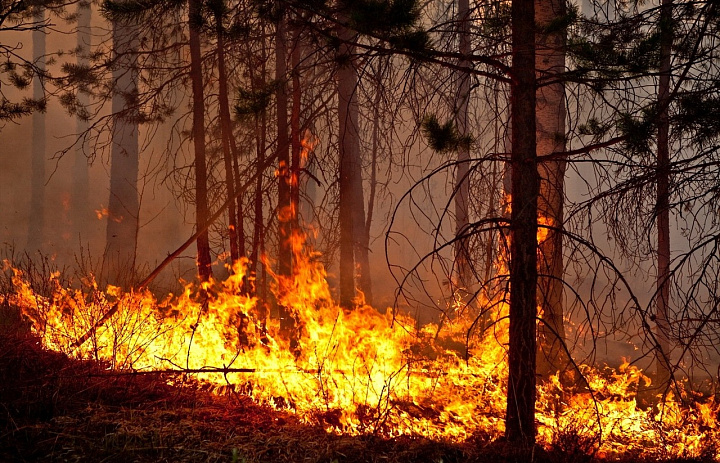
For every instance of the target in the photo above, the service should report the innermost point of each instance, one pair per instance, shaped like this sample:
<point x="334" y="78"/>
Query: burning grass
<point x="207" y="366"/>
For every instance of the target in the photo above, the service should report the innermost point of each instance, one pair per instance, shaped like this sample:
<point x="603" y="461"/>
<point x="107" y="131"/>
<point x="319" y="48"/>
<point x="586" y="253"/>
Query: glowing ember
<point x="357" y="371"/>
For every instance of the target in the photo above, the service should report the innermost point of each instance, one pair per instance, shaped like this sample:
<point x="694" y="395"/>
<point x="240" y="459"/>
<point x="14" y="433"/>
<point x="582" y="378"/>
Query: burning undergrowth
<point x="355" y="373"/>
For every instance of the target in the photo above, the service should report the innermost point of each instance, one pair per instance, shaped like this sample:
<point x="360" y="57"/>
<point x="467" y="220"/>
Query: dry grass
<point x="55" y="409"/>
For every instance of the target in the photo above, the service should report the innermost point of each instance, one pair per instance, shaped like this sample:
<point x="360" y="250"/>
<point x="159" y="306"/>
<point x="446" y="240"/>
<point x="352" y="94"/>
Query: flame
<point x="357" y="371"/>
<point x="102" y="212"/>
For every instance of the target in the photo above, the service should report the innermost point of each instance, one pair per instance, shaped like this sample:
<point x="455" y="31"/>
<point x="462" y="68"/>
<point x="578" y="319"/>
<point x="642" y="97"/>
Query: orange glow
<point x="102" y="212"/>
<point x="359" y="371"/>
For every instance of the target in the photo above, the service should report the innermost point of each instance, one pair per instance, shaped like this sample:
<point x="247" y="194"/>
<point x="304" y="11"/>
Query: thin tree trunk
<point x="239" y="208"/>
<point x="349" y="166"/>
<point x="663" y="372"/>
<point x="36" y="224"/>
<point x="124" y="205"/>
<point x="296" y="146"/>
<point x="260" y="145"/>
<point x="462" y="181"/>
<point x="522" y="349"/>
<point x="372" y="182"/>
<point x="283" y="147"/>
<point x="550" y="116"/>
<point x="82" y="213"/>
<point x="361" y="238"/>
<point x="226" y="135"/>
<point x="204" y="260"/>
<point x="287" y="323"/>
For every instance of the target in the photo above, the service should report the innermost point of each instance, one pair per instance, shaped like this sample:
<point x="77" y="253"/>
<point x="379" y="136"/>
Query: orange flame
<point x="357" y="371"/>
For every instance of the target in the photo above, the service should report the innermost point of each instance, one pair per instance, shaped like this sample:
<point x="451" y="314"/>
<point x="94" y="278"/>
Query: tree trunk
<point x="283" y="147"/>
<point x="373" y="179"/>
<point x="349" y="166"/>
<point x="204" y="260"/>
<point x="296" y="146"/>
<point x="287" y="323"/>
<point x="123" y="205"/>
<point x="82" y="214"/>
<point x="361" y="237"/>
<point x="36" y="224"/>
<point x="462" y="181"/>
<point x="663" y="372"/>
<point x="226" y="135"/>
<point x="550" y="117"/>
<point x="520" y="419"/>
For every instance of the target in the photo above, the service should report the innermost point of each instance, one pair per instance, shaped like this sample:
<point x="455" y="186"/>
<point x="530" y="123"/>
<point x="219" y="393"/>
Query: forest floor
<point x="56" y="409"/>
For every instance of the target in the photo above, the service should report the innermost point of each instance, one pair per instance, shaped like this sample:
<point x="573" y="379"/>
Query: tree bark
<point x="36" y="224"/>
<point x="226" y="136"/>
<point x="349" y="166"/>
<point x="663" y="372"/>
<point x="462" y="181"/>
<point x="296" y="146"/>
<point x="550" y="117"/>
<point x="287" y="323"/>
<point x="520" y="422"/>
<point x="123" y="205"/>
<point x="283" y="147"/>
<point x="204" y="260"/>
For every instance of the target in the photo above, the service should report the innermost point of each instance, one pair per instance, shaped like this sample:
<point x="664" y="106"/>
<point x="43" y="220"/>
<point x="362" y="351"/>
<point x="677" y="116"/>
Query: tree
<point x="287" y="323"/>
<point x="195" y="20"/>
<point x="124" y="205"/>
<point x="82" y="150"/>
<point x="663" y="371"/>
<point x="551" y="18"/>
<point x="228" y="148"/>
<point x="520" y="420"/>
<point x="349" y="150"/>
<point x="462" y="174"/>
<point x="17" y="73"/>
<point x="36" y="226"/>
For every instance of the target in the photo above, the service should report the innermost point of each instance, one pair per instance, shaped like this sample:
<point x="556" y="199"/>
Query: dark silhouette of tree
<point x="204" y="260"/>
<point x="349" y="150"/>
<point x="520" y="420"/>
<point x="663" y="373"/>
<point x="462" y="174"/>
<point x="229" y="152"/>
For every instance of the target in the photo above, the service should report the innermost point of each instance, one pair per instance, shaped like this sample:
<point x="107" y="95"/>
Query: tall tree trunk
<point x="204" y="260"/>
<point x="663" y="372"/>
<point x="349" y="166"/>
<point x="123" y="205"/>
<point x="373" y="180"/>
<point x="462" y="181"/>
<point x="287" y="323"/>
<point x="82" y="213"/>
<point x="226" y="135"/>
<point x="520" y="419"/>
<point x="296" y="146"/>
<point x="283" y="147"/>
<point x="36" y="224"/>
<point x="550" y="116"/>
<point x="361" y="237"/>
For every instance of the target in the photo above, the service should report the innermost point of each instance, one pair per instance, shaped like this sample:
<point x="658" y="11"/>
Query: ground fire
<point x="358" y="371"/>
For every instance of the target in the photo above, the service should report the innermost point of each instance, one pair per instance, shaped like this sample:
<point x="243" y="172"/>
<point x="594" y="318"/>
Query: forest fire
<point x="529" y="187"/>
<point x="358" y="371"/>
